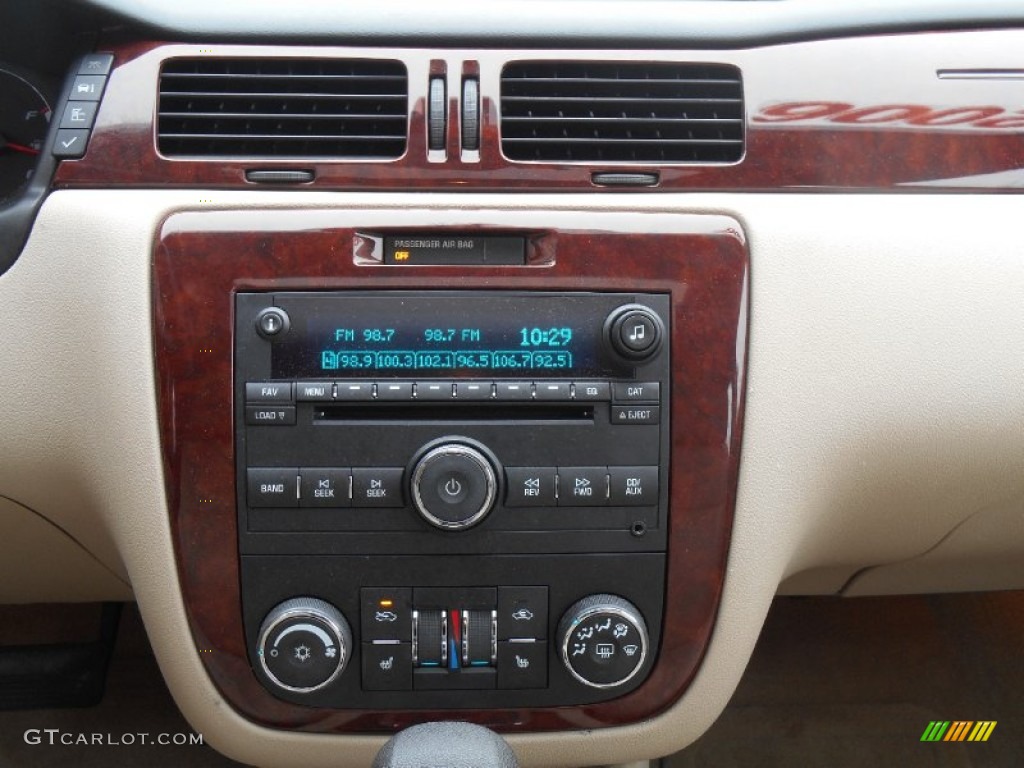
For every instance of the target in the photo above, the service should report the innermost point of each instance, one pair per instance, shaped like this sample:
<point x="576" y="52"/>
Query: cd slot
<point x="452" y="412"/>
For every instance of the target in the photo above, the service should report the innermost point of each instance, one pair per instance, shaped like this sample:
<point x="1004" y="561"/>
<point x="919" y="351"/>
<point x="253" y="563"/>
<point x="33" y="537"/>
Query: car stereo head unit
<point x="484" y="466"/>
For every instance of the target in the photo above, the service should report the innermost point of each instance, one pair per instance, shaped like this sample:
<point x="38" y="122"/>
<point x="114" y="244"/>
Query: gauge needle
<point x="5" y="144"/>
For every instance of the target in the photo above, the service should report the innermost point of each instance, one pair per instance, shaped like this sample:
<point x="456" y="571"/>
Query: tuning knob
<point x="603" y="641"/>
<point x="304" y="644"/>
<point x="635" y="332"/>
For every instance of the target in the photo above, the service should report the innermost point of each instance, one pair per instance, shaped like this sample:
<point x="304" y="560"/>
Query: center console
<point x="489" y="471"/>
<point x="469" y="471"/>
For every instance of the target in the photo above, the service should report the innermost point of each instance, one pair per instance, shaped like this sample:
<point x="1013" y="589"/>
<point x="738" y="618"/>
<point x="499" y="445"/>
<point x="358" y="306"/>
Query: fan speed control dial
<point x="603" y="641"/>
<point x="304" y="644"/>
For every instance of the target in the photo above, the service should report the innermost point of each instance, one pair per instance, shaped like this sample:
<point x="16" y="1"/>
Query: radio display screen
<point x="447" y="335"/>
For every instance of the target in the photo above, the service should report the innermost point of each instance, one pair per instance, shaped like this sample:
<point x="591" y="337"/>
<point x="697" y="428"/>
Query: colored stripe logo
<point x="958" y="730"/>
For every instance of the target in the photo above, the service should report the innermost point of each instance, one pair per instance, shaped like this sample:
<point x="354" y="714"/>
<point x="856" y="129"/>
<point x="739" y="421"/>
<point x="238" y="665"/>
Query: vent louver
<point x="639" y="112"/>
<point x="347" y="108"/>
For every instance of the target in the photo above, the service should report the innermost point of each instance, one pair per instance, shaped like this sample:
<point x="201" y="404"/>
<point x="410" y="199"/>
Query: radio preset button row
<point x="581" y="486"/>
<point x="287" y="392"/>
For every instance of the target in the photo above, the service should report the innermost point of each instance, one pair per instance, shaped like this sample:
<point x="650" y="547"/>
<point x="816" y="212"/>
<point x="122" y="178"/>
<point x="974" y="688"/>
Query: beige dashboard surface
<point x="885" y="407"/>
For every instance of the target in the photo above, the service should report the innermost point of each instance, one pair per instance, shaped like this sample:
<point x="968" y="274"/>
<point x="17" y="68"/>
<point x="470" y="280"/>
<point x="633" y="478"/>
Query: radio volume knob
<point x="454" y="486"/>
<point x="603" y="641"/>
<point x="635" y="332"/>
<point x="304" y="644"/>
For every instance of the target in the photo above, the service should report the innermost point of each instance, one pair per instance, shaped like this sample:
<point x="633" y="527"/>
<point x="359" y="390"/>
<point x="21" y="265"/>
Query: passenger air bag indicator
<point x="455" y="250"/>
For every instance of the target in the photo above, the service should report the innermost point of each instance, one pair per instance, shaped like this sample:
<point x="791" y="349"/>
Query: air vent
<point x="345" y="108"/>
<point x="633" y="112"/>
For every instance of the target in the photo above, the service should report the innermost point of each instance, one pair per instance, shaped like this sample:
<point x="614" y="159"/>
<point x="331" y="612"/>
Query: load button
<point x="636" y="414"/>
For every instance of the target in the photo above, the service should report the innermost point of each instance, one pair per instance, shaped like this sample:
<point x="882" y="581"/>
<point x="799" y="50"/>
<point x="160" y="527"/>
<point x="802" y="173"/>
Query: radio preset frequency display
<point x="501" y="336"/>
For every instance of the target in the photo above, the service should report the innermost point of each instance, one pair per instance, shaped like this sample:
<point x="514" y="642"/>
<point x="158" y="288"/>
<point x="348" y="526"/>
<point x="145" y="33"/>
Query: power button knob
<point x="454" y="486"/>
<point x="635" y="332"/>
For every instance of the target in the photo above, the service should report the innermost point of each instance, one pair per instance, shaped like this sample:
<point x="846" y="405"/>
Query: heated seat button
<point x="522" y="612"/>
<point x="522" y="664"/>
<point x="633" y="486"/>
<point x="582" y="486"/>
<point x="377" y="487"/>
<point x="276" y="487"/>
<point x="324" y="487"/>
<point x="387" y="666"/>
<point x="530" y="486"/>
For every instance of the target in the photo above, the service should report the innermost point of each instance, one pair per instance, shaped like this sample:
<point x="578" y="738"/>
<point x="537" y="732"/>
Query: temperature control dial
<point x="603" y="641"/>
<point x="635" y="332"/>
<point x="304" y="644"/>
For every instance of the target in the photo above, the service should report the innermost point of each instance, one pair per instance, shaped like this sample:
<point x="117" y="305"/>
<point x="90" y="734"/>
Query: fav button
<point x="268" y="392"/>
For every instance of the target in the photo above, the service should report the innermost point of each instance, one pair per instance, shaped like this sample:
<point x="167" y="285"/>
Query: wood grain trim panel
<point x="202" y="258"/>
<point x="822" y="130"/>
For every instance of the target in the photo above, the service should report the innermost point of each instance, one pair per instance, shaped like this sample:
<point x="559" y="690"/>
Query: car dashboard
<point x="411" y="364"/>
